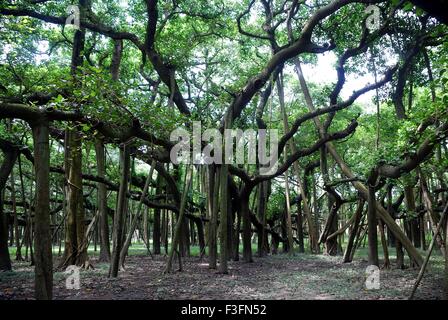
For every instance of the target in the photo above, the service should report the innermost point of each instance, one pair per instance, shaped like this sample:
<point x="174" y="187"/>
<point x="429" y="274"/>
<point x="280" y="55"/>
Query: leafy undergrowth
<point x="274" y="277"/>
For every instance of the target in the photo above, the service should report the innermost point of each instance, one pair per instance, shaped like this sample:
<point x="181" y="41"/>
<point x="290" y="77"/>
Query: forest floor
<point x="302" y="276"/>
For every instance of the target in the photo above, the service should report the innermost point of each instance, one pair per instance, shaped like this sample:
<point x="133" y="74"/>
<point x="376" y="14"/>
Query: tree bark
<point x="223" y="237"/>
<point x="120" y="213"/>
<point x="116" y="59"/>
<point x="157" y="222"/>
<point x="434" y="219"/>
<point x="43" y="256"/>
<point x="75" y="252"/>
<point x="372" y="225"/>
<point x="446" y="260"/>
<point x="9" y="158"/>
<point x="102" y="202"/>
<point x="386" y="264"/>
<point x="201" y="236"/>
<point x="236" y="237"/>
<point x="299" y="225"/>
<point x="261" y="213"/>
<point x="354" y="231"/>
<point x="177" y="231"/>
<point x="213" y="225"/>
<point x="16" y="222"/>
<point x="28" y="229"/>
<point x="247" y="230"/>
<point x="331" y="245"/>
<point x="288" y="221"/>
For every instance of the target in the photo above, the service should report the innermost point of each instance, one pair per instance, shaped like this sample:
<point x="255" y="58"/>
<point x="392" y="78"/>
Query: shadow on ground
<point x="273" y="277"/>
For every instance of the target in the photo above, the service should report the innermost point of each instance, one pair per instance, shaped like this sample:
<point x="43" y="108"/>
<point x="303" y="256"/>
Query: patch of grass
<point x="326" y="276"/>
<point x="15" y="275"/>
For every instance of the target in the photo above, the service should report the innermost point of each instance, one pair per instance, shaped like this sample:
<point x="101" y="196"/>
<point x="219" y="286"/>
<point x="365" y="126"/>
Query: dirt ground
<point x="274" y="277"/>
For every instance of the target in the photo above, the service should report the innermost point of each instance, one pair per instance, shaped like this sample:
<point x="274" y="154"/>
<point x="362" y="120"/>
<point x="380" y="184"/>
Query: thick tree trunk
<point x="423" y="233"/>
<point x="25" y="211"/>
<point x="400" y="254"/>
<point x="42" y="234"/>
<point x="16" y="221"/>
<point x="201" y="236"/>
<point x="223" y="245"/>
<point x="261" y="213"/>
<point x="331" y="224"/>
<point x="409" y="224"/>
<point x="212" y="203"/>
<point x="236" y="237"/>
<point x="224" y="252"/>
<point x="274" y="241"/>
<point x="120" y="213"/>
<point x="288" y="220"/>
<point x="177" y="231"/>
<point x="331" y="245"/>
<point x="157" y="222"/>
<point x="193" y="240"/>
<point x="9" y="159"/>
<point x="229" y="226"/>
<point x="204" y="190"/>
<point x="384" y="245"/>
<point x="75" y="178"/>
<point x="102" y="203"/>
<point x="372" y="226"/>
<point x="75" y="252"/>
<point x="146" y="228"/>
<point x="284" y="231"/>
<point x="156" y="234"/>
<point x="414" y="221"/>
<point x="163" y="227"/>
<point x="184" y="239"/>
<point x="28" y="229"/>
<point x="166" y="222"/>
<point x="299" y="225"/>
<point x="446" y="260"/>
<point x="5" y="260"/>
